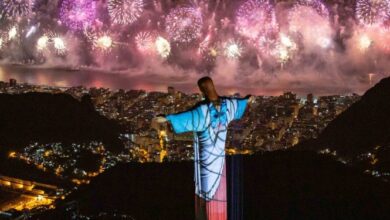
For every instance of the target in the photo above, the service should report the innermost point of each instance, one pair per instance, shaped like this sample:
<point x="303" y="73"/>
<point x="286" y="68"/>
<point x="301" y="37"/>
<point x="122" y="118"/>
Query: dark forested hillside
<point x="42" y="117"/>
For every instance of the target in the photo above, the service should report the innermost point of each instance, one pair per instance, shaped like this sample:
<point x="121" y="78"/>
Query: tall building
<point x="289" y="95"/>
<point x="171" y="90"/>
<point x="310" y="98"/>
<point x="12" y="82"/>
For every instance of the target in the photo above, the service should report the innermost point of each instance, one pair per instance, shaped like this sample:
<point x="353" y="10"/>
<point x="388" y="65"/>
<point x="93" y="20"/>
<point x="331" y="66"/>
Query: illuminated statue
<point x="209" y="122"/>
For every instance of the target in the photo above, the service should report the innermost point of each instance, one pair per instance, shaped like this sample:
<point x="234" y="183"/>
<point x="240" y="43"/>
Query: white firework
<point x="284" y="49"/>
<point x="59" y="45"/>
<point x="163" y="47"/>
<point x="233" y="49"/>
<point x="364" y="42"/>
<point x="12" y="33"/>
<point x="42" y="42"/>
<point x="104" y="43"/>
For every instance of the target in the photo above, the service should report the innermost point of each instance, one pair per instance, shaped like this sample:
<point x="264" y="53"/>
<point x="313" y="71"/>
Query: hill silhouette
<point x="362" y="127"/>
<point x="276" y="185"/>
<point x="45" y="118"/>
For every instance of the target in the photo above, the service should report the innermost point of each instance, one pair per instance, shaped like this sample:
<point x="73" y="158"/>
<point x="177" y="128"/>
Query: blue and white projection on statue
<point x="210" y="126"/>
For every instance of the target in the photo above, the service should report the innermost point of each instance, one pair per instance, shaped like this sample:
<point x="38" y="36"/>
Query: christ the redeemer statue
<point x="209" y="121"/>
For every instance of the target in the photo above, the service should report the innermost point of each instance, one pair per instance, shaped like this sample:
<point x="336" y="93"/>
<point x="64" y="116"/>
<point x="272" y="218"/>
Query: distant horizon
<point x="114" y="80"/>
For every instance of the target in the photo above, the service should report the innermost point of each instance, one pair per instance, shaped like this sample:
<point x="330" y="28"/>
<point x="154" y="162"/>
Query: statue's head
<point x="206" y="86"/>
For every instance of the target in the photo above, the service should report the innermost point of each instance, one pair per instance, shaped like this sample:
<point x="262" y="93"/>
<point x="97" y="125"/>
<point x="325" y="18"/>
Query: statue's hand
<point x="251" y="99"/>
<point x="158" y="121"/>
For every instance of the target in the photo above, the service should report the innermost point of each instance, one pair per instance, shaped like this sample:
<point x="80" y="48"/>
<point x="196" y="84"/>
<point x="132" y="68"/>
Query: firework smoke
<point x="249" y="42"/>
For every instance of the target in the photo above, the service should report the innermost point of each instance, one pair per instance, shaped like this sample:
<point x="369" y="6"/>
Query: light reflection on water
<point x="152" y="82"/>
<point x="68" y="78"/>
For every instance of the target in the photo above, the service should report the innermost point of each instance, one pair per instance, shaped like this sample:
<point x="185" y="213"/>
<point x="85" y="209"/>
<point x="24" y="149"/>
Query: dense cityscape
<point x="273" y="123"/>
<point x="86" y="87"/>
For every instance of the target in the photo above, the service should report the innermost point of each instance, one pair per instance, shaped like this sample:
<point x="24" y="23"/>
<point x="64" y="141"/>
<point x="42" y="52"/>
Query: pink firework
<point x="317" y="5"/>
<point x="256" y="18"/>
<point x="184" y="25"/>
<point x="16" y="8"/>
<point x="78" y="14"/>
<point x="371" y="12"/>
<point x="125" y="11"/>
<point x="315" y="31"/>
<point x="385" y="43"/>
<point x="204" y="45"/>
<point x="145" y="42"/>
<point x="266" y="46"/>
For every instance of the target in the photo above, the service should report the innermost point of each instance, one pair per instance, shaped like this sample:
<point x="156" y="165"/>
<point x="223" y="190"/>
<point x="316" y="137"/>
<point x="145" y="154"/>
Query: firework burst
<point x="16" y="8"/>
<point x="12" y="33"/>
<point x="284" y="49"/>
<point x="207" y="50"/>
<point x="265" y="45"/>
<point x="256" y="18"/>
<point x="78" y="14"/>
<point x="315" y="31"/>
<point x="213" y="52"/>
<point x="125" y="11"/>
<point x="204" y="45"/>
<point x="233" y="49"/>
<point x="42" y="43"/>
<point x="184" y="25"/>
<point x="283" y="55"/>
<point x="103" y="43"/>
<point x="371" y="12"/>
<point x="325" y="42"/>
<point x="145" y="42"/>
<point x="59" y="45"/>
<point x="317" y="5"/>
<point x="163" y="47"/>
<point x="210" y="54"/>
<point x="384" y="39"/>
<point x="364" y="42"/>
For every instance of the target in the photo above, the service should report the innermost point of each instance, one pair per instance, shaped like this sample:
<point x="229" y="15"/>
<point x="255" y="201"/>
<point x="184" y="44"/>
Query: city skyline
<point x="63" y="77"/>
